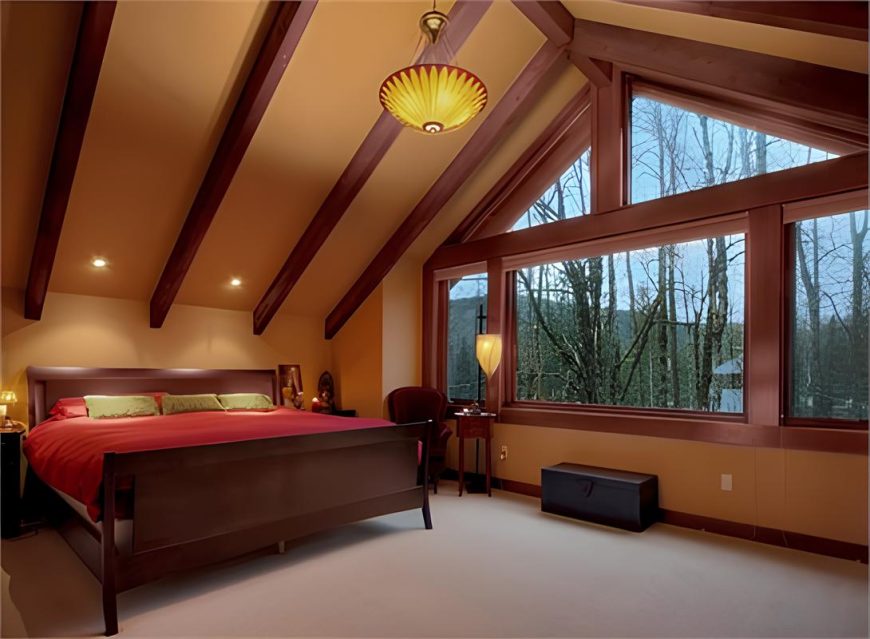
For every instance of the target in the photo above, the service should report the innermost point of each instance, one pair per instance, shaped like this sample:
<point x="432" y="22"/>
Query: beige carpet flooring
<point x="490" y="568"/>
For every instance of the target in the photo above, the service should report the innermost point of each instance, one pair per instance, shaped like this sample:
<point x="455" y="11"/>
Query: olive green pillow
<point x="190" y="403"/>
<point x="107" y="406"/>
<point x="246" y="401"/>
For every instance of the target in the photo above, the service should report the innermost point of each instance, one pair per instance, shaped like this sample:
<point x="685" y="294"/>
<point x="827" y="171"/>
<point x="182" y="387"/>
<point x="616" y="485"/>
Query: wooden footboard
<point x="203" y="504"/>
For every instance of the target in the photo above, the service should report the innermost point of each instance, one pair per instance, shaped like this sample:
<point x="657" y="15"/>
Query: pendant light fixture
<point x="433" y="96"/>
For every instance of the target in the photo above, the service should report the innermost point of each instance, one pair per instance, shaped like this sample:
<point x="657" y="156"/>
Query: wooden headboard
<point x="45" y="385"/>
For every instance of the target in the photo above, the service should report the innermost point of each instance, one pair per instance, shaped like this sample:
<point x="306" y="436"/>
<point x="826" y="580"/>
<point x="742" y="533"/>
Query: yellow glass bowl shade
<point x="7" y="397"/>
<point x="488" y="350"/>
<point x="433" y="98"/>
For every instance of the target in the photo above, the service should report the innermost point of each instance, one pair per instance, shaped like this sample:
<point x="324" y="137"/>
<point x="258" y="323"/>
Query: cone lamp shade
<point x="489" y="353"/>
<point x="431" y="97"/>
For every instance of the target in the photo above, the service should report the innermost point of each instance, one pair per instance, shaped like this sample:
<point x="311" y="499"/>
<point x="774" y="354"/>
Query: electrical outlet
<point x="726" y="482"/>
<point x="503" y="454"/>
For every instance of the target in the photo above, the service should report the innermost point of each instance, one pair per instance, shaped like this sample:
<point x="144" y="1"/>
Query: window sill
<point x="692" y="428"/>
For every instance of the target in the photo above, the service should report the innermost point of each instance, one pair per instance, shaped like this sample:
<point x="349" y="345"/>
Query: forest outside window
<point x="466" y="317"/>
<point x="674" y="150"/>
<point x="569" y="196"/>
<point x="830" y="263"/>
<point x="658" y="328"/>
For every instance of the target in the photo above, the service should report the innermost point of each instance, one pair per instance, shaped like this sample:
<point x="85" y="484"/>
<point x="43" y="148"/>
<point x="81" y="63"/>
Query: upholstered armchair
<point x="417" y="404"/>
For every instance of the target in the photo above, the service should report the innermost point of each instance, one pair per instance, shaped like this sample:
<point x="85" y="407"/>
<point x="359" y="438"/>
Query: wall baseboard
<point x="761" y="534"/>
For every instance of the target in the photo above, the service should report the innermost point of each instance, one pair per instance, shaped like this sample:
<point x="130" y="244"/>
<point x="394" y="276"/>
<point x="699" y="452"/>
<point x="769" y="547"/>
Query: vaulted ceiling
<point x="171" y="74"/>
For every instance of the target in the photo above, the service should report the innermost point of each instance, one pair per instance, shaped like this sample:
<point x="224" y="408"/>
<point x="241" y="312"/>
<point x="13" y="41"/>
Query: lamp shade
<point x="433" y="98"/>
<point x="489" y="353"/>
<point x="7" y="397"/>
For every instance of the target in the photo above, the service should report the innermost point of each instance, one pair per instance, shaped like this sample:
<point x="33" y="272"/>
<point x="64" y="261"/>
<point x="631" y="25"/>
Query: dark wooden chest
<point x="602" y="495"/>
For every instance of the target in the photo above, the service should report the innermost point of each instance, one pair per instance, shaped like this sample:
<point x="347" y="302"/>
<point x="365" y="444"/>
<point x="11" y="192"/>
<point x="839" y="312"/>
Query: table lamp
<point x="7" y="398"/>
<point x="489" y="353"/>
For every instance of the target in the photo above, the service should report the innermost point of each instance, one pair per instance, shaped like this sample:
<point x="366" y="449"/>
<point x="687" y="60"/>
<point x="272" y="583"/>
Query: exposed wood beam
<point x="839" y="97"/>
<point x="839" y="19"/>
<point x="599" y="72"/>
<point x="464" y="17"/>
<point x="839" y="175"/>
<point x="526" y="164"/>
<point x="557" y="24"/>
<point x="93" y="36"/>
<point x="277" y="48"/>
<point x="551" y="17"/>
<point x="515" y="102"/>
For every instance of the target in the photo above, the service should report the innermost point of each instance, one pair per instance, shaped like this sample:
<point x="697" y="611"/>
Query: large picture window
<point x="569" y="196"/>
<point x="831" y="305"/>
<point x="674" y="150"/>
<point x="466" y="313"/>
<point x="659" y="327"/>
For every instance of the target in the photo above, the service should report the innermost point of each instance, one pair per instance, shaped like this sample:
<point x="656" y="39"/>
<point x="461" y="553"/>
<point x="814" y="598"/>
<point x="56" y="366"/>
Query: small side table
<point x="344" y="412"/>
<point x="10" y="481"/>
<point x="470" y="426"/>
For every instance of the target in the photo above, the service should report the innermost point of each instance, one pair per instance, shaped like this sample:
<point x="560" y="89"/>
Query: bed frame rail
<point x="203" y="504"/>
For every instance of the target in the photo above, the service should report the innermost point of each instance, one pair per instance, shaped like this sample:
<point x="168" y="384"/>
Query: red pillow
<point x="67" y="407"/>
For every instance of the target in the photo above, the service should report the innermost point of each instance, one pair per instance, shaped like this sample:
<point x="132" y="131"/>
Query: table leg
<point x="461" y="463"/>
<point x="489" y="465"/>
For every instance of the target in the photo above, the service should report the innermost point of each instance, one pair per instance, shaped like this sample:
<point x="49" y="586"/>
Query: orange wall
<point x="78" y="330"/>
<point x="822" y="494"/>
<point x="357" y="359"/>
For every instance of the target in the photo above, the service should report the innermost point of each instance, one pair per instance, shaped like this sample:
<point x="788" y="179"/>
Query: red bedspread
<point x="67" y="454"/>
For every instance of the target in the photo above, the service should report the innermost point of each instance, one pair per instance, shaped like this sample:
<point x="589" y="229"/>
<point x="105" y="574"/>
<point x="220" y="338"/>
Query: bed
<point x="157" y="506"/>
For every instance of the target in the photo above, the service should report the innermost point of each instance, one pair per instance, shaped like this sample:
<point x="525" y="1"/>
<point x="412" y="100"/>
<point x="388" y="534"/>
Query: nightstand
<point x="468" y="426"/>
<point x="346" y="412"/>
<point x="10" y="481"/>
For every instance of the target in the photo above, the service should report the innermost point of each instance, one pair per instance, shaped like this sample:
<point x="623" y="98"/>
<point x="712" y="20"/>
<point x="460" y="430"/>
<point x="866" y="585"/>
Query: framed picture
<point x="290" y="382"/>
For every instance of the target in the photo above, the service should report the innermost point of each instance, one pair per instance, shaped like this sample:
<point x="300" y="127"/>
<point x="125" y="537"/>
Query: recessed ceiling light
<point x="99" y="262"/>
<point x="235" y="282"/>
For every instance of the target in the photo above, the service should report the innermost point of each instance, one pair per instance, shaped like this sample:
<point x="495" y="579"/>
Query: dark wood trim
<point x="530" y="162"/>
<point x="550" y="17"/>
<point x="93" y="36"/>
<point x="752" y="115"/>
<point x="831" y="96"/>
<point x="598" y="72"/>
<point x="464" y="17"/>
<point x="833" y="18"/>
<point x="557" y="24"/>
<point x="763" y="316"/>
<point x="714" y="428"/>
<point x="607" y="165"/>
<point x="287" y="26"/>
<point x="510" y="108"/>
<point x="822" y="178"/>
<point x="770" y="536"/>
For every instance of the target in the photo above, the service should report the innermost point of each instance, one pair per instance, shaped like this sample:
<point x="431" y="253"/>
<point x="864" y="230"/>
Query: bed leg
<point x="427" y="516"/>
<point x="109" y="561"/>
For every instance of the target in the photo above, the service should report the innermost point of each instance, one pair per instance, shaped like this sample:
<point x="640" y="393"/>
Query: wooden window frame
<point x="764" y="201"/>
<point x="793" y="213"/>
<point x="724" y="225"/>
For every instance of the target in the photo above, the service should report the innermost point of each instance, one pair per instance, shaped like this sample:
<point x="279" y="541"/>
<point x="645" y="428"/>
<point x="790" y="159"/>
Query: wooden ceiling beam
<point x="276" y="50"/>
<point x="90" y="49"/>
<point x="839" y="175"/>
<point x="832" y="96"/>
<point x="557" y="24"/>
<point x="520" y="170"/>
<point x="515" y="102"/>
<point x="832" y="18"/>
<point x="464" y="17"/>
<point x="551" y="17"/>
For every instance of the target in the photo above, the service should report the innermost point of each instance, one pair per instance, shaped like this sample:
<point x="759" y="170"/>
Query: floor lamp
<point x="488" y="351"/>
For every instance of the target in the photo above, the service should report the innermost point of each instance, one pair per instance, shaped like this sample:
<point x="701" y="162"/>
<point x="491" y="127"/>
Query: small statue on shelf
<point x="325" y="400"/>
